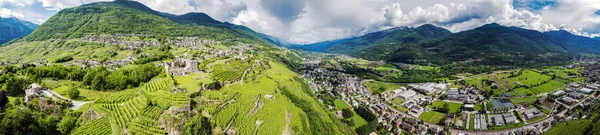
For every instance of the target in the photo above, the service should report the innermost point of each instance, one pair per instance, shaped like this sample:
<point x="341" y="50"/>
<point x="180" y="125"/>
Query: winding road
<point x="76" y="104"/>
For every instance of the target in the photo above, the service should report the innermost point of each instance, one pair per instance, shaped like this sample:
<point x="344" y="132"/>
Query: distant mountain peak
<point x="491" y="25"/>
<point x="427" y="26"/>
<point x="13" y="28"/>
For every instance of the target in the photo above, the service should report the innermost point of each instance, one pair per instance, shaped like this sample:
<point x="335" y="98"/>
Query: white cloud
<point x="305" y="21"/>
<point x="6" y="13"/>
<point x="221" y="9"/>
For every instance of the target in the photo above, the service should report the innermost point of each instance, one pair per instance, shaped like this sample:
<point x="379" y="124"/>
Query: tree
<point x="347" y="113"/>
<point x="15" y="86"/>
<point x="3" y="99"/>
<point x="198" y="125"/>
<point x="73" y="92"/>
<point x="68" y="122"/>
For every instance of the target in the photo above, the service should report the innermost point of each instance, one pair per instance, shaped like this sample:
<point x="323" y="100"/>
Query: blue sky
<point x="307" y="21"/>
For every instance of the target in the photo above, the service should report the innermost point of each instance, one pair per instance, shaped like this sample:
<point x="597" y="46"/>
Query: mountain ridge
<point x="14" y="28"/>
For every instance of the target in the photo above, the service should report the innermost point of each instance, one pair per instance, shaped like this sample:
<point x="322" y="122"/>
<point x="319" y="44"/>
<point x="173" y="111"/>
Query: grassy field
<point x="341" y="104"/>
<point x="471" y="122"/>
<point x="193" y="82"/>
<point x="453" y="107"/>
<point x="525" y="91"/>
<point x="432" y="116"/>
<point x="562" y="72"/>
<point x="478" y="106"/>
<point x="548" y="87"/>
<point x="378" y="87"/>
<point x="530" y="78"/>
<point x="358" y="121"/>
<point x="397" y="101"/>
<point x="523" y="100"/>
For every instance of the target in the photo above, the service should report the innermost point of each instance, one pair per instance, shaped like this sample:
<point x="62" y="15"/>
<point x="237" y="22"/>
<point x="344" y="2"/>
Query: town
<point x="464" y="109"/>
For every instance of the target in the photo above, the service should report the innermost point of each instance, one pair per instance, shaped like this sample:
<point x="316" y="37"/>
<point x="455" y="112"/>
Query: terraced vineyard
<point x="166" y="99"/>
<point x="147" y="123"/>
<point x="100" y="126"/>
<point x="158" y="84"/>
<point x="118" y="97"/>
<point x="122" y="113"/>
<point x="229" y="71"/>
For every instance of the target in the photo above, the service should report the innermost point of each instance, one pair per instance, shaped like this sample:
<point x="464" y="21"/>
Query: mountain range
<point x="13" y="28"/>
<point x="491" y="44"/>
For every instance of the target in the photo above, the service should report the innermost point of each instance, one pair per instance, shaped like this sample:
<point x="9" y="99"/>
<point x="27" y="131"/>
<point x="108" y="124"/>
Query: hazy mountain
<point x="12" y="28"/>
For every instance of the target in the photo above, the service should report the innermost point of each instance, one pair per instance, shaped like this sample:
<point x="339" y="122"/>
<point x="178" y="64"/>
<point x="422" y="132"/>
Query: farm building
<point x="576" y="95"/>
<point x="470" y="107"/>
<point x="567" y="100"/>
<point x="531" y="113"/>
<point x="32" y="92"/>
<point x="510" y="118"/>
<point x="586" y="90"/>
<point x="574" y="85"/>
<point x="496" y="120"/>
<point x="429" y="87"/>
<point x="405" y="95"/>
<point x="558" y="93"/>
<point x="502" y="104"/>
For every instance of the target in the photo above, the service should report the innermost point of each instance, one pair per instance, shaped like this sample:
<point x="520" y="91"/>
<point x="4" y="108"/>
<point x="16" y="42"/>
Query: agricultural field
<point x="530" y="78"/>
<point x="229" y="71"/>
<point x="562" y="72"/>
<point x="548" y="87"/>
<point x="452" y="107"/>
<point x="377" y="87"/>
<point x="98" y="126"/>
<point x="576" y="127"/>
<point x="193" y="82"/>
<point x="432" y="116"/>
<point x="523" y="100"/>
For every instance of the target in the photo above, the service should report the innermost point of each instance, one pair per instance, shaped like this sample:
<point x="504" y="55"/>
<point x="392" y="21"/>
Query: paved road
<point x="76" y="104"/>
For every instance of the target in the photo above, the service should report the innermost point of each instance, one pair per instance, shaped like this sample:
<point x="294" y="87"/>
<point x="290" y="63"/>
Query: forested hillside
<point x="13" y="28"/>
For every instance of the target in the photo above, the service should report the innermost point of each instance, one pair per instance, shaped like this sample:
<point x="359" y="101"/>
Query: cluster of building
<point x="122" y="42"/>
<point x="531" y="113"/>
<point x="192" y="42"/>
<point x="501" y="119"/>
<point x="429" y="88"/>
<point x="479" y="122"/>
<point x="466" y="95"/>
<point x="575" y="92"/>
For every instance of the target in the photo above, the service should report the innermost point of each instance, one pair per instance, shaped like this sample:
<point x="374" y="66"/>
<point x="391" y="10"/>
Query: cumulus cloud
<point x="286" y="10"/>
<point x="306" y="21"/>
<point x="220" y="9"/>
<point x="574" y="13"/>
<point x="459" y="17"/>
<point x="6" y="13"/>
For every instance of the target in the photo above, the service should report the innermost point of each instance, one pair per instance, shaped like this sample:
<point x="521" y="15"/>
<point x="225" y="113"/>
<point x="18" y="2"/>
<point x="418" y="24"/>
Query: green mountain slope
<point x="243" y="85"/>
<point x="13" y="28"/>
<point x="490" y="44"/>
<point x="380" y="45"/>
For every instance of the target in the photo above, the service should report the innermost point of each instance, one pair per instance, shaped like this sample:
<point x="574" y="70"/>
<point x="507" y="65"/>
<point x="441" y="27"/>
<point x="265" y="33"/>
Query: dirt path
<point x="288" y="123"/>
